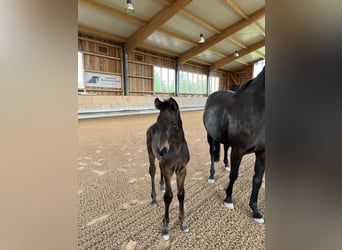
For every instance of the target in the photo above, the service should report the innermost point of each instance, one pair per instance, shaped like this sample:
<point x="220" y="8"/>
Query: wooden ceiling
<point x="173" y="27"/>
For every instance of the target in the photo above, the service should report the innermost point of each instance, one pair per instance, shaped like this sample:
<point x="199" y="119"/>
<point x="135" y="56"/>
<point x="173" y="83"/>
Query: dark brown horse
<point x="238" y="120"/>
<point x="166" y="142"/>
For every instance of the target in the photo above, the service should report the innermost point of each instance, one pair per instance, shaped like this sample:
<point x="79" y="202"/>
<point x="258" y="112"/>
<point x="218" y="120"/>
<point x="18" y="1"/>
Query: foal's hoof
<point x="185" y="228"/>
<point x="166" y="234"/>
<point x="228" y="205"/>
<point x="259" y="220"/>
<point x="162" y="189"/>
<point x="227" y="168"/>
<point x="154" y="204"/>
<point x="211" y="180"/>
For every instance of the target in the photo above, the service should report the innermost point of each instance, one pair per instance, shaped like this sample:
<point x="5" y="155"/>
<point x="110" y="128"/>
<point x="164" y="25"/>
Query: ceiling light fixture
<point x="129" y="6"/>
<point x="236" y="54"/>
<point x="201" y="40"/>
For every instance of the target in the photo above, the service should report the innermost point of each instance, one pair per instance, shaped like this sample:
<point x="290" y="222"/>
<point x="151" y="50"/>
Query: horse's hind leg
<point x="167" y="173"/>
<point x="161" y="182"/>
<point x="225" y="157"/>
<point x="259" y="170"/>
<point x="214" y="150"/>
<point x="180" y="176"/>
<point x="236" y="156"/>
<point x="152" y="170"/>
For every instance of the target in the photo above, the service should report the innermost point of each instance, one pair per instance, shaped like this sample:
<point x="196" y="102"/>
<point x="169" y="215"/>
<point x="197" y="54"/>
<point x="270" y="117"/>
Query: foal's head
<point x="169" y="122"/>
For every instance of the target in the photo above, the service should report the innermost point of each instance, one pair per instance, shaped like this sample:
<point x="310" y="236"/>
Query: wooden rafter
<point x="154" y="23"/>
<point x="232" y="58"/>
<point x="110" y="36"/>
<point x="204" y="23"/>
<point x="225" y="33"/>
<point x="132" y="19"/>
<point x="241" y="62"/>
<point x="217" y="52"/>
<point x="238" y="10"/>
<point x="175" y="35"/>
<point x="99" y="33"/>
<point x="260" y="54"/>
<point x="153" y="48"/>
<point x="238" y="43"/>
<point x="259" y="28"/>
<point x="138" y="21"/>
<point x="194" y="17"/>
<point x="111" y="11"/>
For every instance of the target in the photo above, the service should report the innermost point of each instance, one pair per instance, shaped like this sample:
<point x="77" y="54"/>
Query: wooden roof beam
<point x="238" y="10"/>
<point x="232" y="58"/>
<point x="175" y="35"/>
<point x="241" y="62"/>
<point x="131" y="19"/>
<point x="195" y="18"/>
<point x="238" y="43"/>
<point x="225" y="33"/>
<point x="259" y="28"/>
<point x="154" y="23"/>
<point x="99" y="33"/>
<point x="111" y="11"/>
<point x="260" y="54"/>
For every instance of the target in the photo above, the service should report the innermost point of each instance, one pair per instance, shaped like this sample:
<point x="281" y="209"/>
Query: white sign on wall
<point x="102" y="80"/>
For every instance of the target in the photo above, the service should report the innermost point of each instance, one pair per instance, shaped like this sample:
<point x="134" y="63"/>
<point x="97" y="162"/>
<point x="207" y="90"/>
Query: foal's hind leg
<point x="152" y="170"/>
<point x="167" y="173"/>
<point x="180" y="176"/>
<point x="225" y="157"/>
<point x="236" y="156"/>
<point x="259" y="170"/>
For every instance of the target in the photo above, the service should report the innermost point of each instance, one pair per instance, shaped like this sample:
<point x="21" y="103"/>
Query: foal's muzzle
<point x="163" y="151"/>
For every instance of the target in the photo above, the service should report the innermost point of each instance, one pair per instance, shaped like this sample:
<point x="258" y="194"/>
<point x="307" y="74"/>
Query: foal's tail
<point x="214" y="149"/>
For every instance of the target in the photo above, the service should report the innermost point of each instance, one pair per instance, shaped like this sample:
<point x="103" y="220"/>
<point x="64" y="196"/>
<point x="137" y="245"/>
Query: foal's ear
<point x="157" y="103"/>
<point x="173" y="104"/>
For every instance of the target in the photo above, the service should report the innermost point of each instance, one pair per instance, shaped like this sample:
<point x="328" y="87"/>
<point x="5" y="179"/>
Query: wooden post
<point x="125" y="69"/>
<point x="208" y="80"/>
<point x="177" y="77"/>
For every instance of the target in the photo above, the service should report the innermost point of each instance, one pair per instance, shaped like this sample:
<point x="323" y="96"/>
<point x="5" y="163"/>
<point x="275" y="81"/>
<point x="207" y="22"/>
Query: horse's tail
<point x="214" y="149"/>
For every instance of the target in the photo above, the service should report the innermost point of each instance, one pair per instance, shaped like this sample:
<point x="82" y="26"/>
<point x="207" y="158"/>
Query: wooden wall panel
<point x="241" y="76"/>
<point x="104" y="58"/>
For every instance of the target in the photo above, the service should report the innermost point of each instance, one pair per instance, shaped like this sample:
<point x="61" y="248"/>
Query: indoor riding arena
<point x="129" y="54"/>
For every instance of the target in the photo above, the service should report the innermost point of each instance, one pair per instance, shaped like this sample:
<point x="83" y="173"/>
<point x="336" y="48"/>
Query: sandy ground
<point x="114" y="192"/>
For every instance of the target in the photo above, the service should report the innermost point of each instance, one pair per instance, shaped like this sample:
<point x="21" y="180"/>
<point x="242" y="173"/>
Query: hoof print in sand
<point x="133" y="203"/>
<point x="98" y="219"/>
<point x="131" y="245"/>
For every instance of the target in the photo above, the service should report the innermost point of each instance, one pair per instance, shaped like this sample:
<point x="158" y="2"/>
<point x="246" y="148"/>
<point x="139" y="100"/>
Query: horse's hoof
<point x="166" y="234"/>
<point x="228" y="205"/>
<point x="259" y="220"/>
<point x="154" y="204"/>
<point x="185" y="228"/>
<point x="162" y="190"/>
<point x="211" y="180"/>
<point x="227" y="168"/>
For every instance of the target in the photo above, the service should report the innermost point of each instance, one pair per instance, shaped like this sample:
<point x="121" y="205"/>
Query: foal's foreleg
<point x="259" y="170"/>
<point x="180" y="176"/>
<point x="152" y="170"/>
<point x="161" y="182"/>
<point x="167" y="200"/>
<point x="235" y="159"/>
